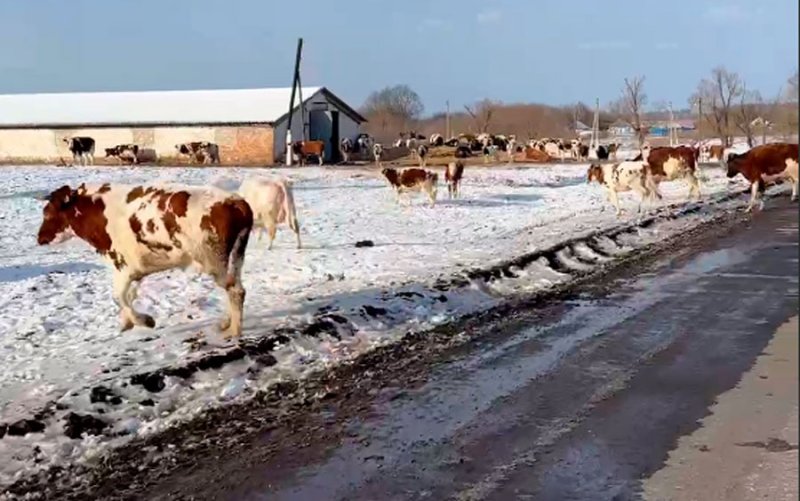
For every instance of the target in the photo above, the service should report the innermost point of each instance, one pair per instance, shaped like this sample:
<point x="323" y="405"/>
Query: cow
<point x="141" y="230"/>
<point x="436" y="140"/>
<point x="412" y="180"/>
<point x="763" y="164"/>
<point x="304" y="149"/>
<point x="377" y="152"/>
<point x="511" y="148"/>
<point x="624" y="176"/>
<point x="552" y="149"/>
<point x="82" y="149"/>
<point x="200" y="151"/>
<point x="612" y="149"/>
<point x="452" y="176"/>
<point x="272" y="203"/>
<point x="602" y="152"/>
<point x="715" y="153"/>
<point x="422" y="154"/>
<point x="124" y="152"/>
<point x="668" y="163"/>
<point x="364" y="144"/>
<point x="453" y="142"/>
<point x="346" y="147"/>
<point x="462" y="151"/>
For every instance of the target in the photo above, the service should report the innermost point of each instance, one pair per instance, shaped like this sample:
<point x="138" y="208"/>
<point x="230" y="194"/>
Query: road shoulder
<point x="747" y="447"/>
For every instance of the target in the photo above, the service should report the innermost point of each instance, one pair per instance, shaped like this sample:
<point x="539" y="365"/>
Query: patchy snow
<point x="59" y="336"/>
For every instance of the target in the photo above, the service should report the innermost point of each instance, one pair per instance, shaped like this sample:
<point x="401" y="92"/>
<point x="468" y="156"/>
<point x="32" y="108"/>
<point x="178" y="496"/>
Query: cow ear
<point x="62" y="197"/>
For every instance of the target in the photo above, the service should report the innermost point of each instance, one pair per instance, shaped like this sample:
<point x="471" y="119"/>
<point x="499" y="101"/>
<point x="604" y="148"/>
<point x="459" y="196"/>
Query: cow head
<point x="595" y="173"/>
<point x="391" y="176"/>
<point x="57" y="213"/>
<point x="111" y="152"/>
<point x="732" y="163"/>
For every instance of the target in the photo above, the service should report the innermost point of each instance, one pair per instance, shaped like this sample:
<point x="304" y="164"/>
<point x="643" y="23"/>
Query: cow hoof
<point x="147" y="321"/>
<point x="126" y="326"/>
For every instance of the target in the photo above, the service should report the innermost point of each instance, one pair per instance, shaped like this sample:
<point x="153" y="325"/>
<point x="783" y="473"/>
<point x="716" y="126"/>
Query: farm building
<point x="621" y="128"/>
<point x="249" y="125"/>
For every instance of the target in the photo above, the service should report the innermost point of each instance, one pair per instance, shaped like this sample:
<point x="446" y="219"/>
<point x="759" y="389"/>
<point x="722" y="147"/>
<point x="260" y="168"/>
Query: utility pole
<point x="594" y="141"/>
<point x="673" y="131"/>
<point x="700" y="117"/>
<point x="447" y="121"/>
<point x="295" y="82"/>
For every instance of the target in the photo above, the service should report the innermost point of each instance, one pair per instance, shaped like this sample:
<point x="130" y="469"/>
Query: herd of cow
<point x="140" y="230"/>
<point x="467" y="145"/>
<point x="83" y="148"/>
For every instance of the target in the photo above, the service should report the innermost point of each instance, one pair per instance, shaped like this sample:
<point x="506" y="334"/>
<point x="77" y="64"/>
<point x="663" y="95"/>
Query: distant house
<point x="621" y="128"/>
<point x="581" y="129"/>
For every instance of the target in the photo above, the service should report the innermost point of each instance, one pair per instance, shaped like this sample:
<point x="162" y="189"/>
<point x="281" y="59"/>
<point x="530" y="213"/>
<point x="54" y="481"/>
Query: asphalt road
<point x="583" y="399"/>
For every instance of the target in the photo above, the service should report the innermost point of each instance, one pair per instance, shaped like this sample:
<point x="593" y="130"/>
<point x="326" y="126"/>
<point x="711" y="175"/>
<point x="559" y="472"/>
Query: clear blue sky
<point x="463" y="50"/>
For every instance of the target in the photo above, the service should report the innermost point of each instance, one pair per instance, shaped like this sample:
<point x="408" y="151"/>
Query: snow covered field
<point x="59" y="334"/>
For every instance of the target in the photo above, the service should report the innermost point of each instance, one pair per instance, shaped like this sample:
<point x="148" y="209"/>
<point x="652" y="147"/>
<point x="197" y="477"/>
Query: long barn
<point x="249" y="125"/>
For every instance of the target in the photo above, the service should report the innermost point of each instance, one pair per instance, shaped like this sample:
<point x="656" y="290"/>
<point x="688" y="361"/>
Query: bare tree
<point x="792" y="89"/>
<point x="631" y="104"/>
<point x="749" y="114"/>
<point x="393" y="109"/>
<point x="718" y="94"/>
<point x="482" y="113"/>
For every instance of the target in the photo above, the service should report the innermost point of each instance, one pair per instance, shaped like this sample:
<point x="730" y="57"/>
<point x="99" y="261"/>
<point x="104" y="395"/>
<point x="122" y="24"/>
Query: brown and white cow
<point x="140" y="230"/>
<point x="763" y="164"/>
<point x="452" y="176"/>
<point x="201" y="151"/>
<point x="272" y="202"/>
<point x="669" y="163"/>
<point x="304" y="149"/>
<point x="624" y="176"/>
<point x="715" y="153"/>
<point x="124" y="152"/>
<point x="412" y="180"/>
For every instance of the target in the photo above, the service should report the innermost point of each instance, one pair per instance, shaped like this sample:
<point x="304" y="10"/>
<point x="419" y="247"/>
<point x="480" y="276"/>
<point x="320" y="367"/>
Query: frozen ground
<point x="59" y="335"/>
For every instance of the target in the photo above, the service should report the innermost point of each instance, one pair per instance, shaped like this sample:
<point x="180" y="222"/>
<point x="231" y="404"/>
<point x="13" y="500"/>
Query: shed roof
<point x="174" y="107"/>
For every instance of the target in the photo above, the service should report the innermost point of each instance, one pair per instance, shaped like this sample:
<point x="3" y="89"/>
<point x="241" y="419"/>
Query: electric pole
<point x="447" y="121"/>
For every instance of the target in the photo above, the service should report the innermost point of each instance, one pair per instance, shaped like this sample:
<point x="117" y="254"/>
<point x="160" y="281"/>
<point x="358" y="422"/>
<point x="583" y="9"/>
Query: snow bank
<point x="67" y="366"/>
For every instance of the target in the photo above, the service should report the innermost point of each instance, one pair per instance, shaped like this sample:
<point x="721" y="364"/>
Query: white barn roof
<point x="181" y="107"/>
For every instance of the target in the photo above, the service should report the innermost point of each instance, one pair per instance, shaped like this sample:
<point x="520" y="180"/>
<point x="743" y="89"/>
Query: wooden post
<point x="295" y="80"/>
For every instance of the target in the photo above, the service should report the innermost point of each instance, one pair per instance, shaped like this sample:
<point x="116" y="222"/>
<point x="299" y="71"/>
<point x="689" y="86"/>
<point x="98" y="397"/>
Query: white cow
<point x="625" y="176"/>
<point x="377" y="152"/>
<point x="272" y="202"/>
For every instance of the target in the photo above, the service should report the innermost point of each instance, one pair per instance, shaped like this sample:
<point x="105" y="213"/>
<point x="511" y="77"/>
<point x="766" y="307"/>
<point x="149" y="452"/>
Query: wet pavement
<point x="582" y="407"/>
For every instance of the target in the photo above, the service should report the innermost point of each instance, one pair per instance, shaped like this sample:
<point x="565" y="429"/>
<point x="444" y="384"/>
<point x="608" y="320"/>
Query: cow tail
<point x="236" y="257"/>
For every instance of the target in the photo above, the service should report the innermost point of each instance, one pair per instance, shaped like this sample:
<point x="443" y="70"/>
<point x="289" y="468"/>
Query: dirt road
<point x="578" y="400"/>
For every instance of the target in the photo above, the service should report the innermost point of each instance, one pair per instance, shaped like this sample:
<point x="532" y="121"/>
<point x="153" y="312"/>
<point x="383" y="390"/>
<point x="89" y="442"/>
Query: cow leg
<point x="614" y="199"/>
<point x="125" y="294"/>
<point x="231" y="323"/>
<point x="121" y="285"/>
<point x="694" y="186"/>
<point x="271" y="230"/>
<point x="753" y="195"/>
